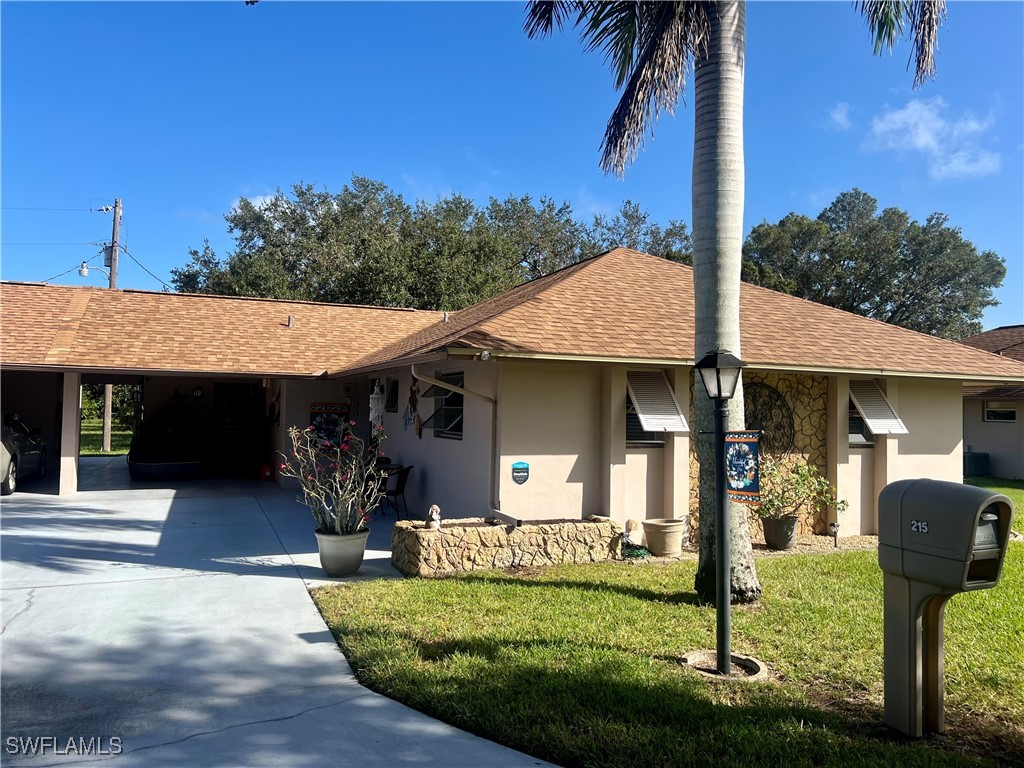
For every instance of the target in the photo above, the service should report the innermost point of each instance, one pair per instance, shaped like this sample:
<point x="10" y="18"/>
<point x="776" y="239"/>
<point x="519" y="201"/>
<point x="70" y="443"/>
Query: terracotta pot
<point x="341" y="555"/>
<point x="779" y="533"/>
<point x="665" y="535"/>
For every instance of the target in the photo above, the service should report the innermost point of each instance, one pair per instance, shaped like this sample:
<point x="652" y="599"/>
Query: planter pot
<point x="341" y="555"/>
<point x="665" y="536"/>
<point x="779" y="534"/>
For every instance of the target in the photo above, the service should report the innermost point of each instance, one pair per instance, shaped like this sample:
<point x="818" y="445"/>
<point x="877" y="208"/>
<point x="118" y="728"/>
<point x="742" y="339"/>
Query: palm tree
<point x="652" y="47"/>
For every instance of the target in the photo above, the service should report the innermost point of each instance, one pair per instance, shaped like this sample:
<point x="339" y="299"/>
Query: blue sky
<point x="180" y="108"/>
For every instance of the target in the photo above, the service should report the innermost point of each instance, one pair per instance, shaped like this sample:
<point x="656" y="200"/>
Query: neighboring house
<point x="994" y="416"/>
<point x="565" y="397"/>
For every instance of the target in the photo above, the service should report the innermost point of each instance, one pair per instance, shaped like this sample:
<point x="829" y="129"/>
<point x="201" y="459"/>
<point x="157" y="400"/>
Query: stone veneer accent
<point x="807" y="397"/>
<point x="471" y="544"/>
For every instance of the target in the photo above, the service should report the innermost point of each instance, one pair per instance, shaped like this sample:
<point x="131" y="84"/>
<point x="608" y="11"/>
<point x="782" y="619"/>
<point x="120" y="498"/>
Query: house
<point x="994" y="415"/>
<point x="567" y="396"/>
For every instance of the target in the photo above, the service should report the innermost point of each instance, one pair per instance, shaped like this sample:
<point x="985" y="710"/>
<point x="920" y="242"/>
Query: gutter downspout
<point x="495" y="506"/>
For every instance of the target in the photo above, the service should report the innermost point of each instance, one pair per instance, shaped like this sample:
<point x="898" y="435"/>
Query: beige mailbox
<point x="935" y="539"/>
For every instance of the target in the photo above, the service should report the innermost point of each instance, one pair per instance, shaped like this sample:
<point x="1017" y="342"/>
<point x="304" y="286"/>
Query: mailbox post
<point x="935" y="539"/>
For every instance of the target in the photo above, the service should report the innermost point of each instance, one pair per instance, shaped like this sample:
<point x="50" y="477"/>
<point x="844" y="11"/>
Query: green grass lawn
<point x="1014" y="489"/>
<point x="92" y="438"/>
<point x="578" y="664"/>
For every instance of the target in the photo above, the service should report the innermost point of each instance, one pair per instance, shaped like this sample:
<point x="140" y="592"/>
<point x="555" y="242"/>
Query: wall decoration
<point x="765" y="409"/>
<point x="391" y="396"/>
<point x="414" y="416"/>
<point x="741" y="466"/>
<point x="330" y="420"/>
<point x="520" y="472"/>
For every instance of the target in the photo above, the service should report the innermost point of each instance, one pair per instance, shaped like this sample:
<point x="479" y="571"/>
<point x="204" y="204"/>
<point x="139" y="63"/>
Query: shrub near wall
<point x="472" y="544"/>
<point x="807" y="398"/>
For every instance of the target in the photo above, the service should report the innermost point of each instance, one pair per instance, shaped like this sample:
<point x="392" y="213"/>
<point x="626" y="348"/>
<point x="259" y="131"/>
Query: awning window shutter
<point x="655" y="403"/>
<point x="878" y="414"/>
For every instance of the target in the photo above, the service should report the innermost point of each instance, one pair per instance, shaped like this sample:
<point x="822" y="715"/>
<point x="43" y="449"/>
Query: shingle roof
<point x="72" y="327"/>
<point x="621" y="304"/>
<point x="632" y="305"/>
<point x="1007" y="341"/>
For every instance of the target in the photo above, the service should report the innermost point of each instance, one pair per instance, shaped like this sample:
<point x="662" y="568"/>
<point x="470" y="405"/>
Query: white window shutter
<point x="875" y="409"/>
<point x="655" y="403"/>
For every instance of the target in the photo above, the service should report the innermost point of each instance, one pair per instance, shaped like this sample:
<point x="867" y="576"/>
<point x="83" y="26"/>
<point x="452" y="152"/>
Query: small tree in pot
<point x="340" y="484"/>
<point x="785" y="490"/>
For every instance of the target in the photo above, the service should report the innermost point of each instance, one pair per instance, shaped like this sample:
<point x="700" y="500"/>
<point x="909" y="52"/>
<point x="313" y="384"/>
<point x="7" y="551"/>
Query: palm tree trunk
<point x="718" y="185"/>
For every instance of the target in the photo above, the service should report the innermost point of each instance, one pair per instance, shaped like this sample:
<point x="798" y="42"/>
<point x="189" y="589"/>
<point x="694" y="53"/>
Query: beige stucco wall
<point x="645" y="483"/>
<point x="932" y="410"/>
<point x="454" y="474"/>
<point x="1002" y="441"/>
<point x="551" y="418"/>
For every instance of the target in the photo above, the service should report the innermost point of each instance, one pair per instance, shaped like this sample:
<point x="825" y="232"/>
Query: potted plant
<point x="785" y="490"/>
<point x="340" y="484"/>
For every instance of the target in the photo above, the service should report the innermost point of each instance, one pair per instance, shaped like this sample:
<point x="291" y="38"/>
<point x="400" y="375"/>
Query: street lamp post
<point x="720" y="372"/>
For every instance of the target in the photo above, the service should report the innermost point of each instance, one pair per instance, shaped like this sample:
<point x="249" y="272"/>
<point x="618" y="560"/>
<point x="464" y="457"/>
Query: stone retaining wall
<point x="471" y="544"/>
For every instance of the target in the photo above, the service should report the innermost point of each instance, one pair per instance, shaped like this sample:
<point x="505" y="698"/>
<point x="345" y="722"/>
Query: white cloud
<point x="840" y="116"/>
<point x="586" y="203"/>
<point x="258" y="201"/>
<point x="953" y="150"/>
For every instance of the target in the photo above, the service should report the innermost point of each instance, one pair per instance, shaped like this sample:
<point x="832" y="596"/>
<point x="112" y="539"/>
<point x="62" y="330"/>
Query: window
<point x="874" y="409"/>
<point x="635" y="434"/>
<point x="651" y="409"/>
<point x="446" y="420"/>
<point x="1000" y="410"/>
<point x="859" y="432"/>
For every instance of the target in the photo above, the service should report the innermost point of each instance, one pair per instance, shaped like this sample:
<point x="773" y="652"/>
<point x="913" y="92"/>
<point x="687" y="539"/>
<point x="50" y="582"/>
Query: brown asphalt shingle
<point x="1007" y="341"/>
<point x="628" y="304"/>
<point x="144" y="331"/>
<point x="622" y="304"/>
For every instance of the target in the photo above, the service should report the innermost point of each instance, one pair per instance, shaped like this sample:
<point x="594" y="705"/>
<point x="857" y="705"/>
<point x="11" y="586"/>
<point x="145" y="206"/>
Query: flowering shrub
<point x="786" y="488"/>
<point x="340" y="482"/>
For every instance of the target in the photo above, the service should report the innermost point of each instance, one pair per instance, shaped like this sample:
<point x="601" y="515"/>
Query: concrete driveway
<point x="178" y="621"/>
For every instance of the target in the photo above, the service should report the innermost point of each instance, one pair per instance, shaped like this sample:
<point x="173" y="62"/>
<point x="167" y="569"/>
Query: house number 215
<point x="919" y="526"/>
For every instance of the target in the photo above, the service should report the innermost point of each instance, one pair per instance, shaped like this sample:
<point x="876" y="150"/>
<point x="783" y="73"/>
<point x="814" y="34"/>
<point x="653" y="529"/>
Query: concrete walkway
<point x="178" y="621"/>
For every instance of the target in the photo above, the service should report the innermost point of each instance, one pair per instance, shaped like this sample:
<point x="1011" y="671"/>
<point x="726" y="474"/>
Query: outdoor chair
<point x="393" y="495"/>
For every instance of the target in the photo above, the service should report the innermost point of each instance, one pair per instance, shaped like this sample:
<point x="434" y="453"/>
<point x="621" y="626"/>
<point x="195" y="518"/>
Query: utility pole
<point x="108" y="389"/>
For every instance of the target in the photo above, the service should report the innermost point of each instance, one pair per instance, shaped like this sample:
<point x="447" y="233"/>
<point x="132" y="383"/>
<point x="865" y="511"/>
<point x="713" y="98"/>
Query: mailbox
<point x="935" y="539"/>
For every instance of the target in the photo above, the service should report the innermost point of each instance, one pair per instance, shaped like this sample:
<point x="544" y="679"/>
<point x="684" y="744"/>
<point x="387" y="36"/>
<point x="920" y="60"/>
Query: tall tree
<point x="651" y="47"/>
<point x="632" y="228"/>
<point x="925" y="277"/>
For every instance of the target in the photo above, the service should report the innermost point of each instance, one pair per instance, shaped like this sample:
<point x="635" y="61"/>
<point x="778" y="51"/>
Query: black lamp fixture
<point x="720" y="372"/>
<point x="197" y="393"/>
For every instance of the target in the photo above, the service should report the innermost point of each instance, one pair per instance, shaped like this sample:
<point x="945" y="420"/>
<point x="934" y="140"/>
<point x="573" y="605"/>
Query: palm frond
<point x="925" y="19"/>
<point x="669" y="36"/>
<point x="887" y="20"/>
<point x="542" y="16"/>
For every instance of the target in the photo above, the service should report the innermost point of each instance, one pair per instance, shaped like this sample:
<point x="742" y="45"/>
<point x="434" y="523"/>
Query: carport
<point x="258" y="365"/>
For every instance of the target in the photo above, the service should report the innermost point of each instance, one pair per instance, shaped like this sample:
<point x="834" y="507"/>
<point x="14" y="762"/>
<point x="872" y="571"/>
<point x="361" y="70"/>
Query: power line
<point x="9" y="208"/>
<point x="77" y="266"/>
<point x="21" y="244"/>
<point x="165" y="285"/>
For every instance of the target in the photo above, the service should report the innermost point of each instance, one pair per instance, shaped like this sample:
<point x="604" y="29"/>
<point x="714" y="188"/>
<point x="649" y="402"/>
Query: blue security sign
<point x="520" y="472"/>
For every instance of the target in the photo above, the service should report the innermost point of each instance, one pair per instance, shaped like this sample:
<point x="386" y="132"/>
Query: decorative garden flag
<point x="742" y="480"/>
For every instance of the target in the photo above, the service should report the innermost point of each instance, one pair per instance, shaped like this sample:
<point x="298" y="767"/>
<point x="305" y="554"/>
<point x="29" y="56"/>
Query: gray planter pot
<point x="781" y="533"/>
<point x="341" y="555"/>
<point x="665" y="535"/>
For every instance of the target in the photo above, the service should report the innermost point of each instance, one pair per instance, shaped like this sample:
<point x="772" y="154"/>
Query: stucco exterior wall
<point x="1003" y="441"/>
<point x="932" y="410"/>
<point x="454" y="474"/>
<point x="551" y="418"/>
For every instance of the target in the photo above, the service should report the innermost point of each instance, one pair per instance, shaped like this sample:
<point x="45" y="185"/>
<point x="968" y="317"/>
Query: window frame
<point x="445" y="401"/>
<point x="1007" y="406"/>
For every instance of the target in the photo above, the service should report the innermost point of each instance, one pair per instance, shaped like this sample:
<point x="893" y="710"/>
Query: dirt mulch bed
<point x="808" y="544"/>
